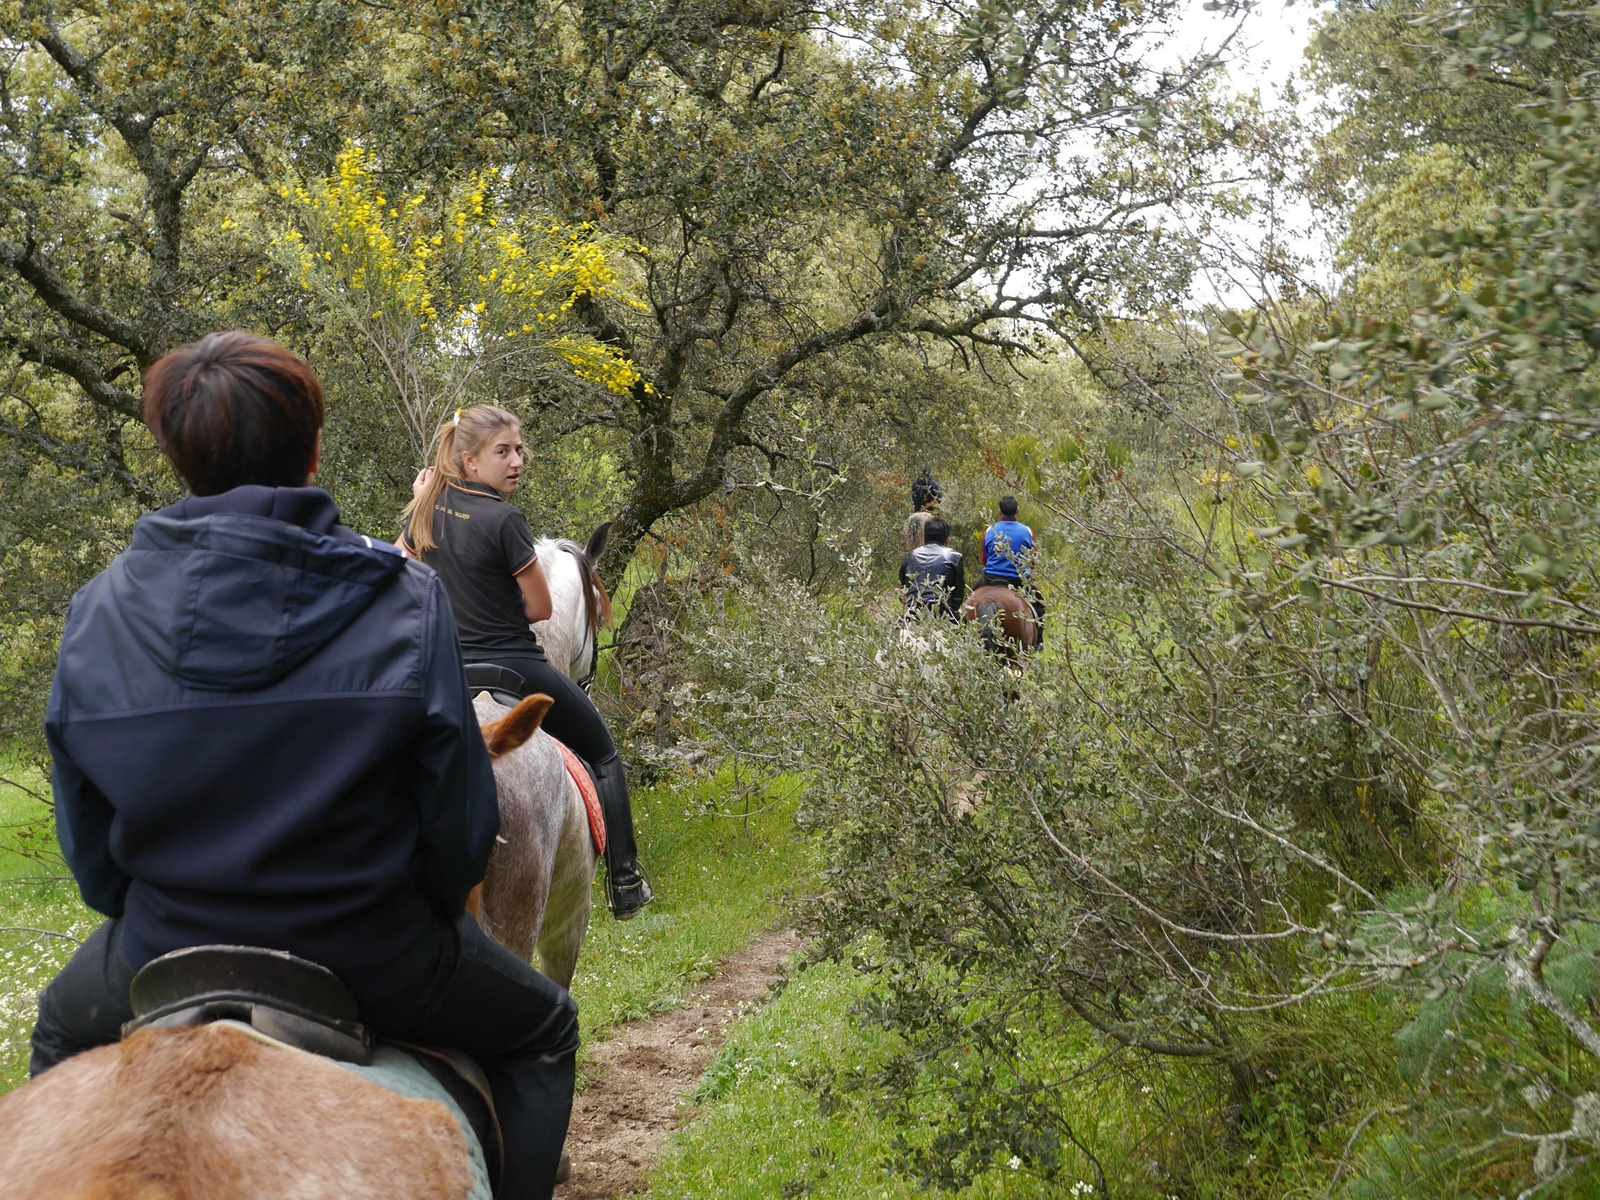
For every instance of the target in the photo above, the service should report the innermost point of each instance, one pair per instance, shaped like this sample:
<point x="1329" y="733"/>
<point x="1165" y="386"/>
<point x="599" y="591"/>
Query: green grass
<point x="27" y="844"/>
<point x="41" y="918"/>
<point x="764" y="1129"/>
<point x="721" y="877"/>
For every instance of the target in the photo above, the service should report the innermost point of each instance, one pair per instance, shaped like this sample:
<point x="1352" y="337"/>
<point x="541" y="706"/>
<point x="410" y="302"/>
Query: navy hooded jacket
<point x="261" y="734"/>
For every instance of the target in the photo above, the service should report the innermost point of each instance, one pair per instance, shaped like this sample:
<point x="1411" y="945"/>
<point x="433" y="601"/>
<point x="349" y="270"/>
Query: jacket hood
<point x="235" y="591"/>
<point x="933" y="552"/>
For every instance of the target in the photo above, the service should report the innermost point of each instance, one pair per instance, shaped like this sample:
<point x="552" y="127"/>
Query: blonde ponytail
<point x="464" y="434"/>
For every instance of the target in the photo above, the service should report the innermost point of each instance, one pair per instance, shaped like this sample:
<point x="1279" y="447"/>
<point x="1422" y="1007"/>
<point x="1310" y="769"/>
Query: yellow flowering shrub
<point x="447" y="288"/>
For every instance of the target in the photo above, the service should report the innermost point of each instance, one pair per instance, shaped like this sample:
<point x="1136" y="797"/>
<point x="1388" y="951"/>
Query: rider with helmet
<point x="1009" y="557"/>
<point x="933" y="576"/>
<point x="261" y="735"/>
<point x="460" y="523"/>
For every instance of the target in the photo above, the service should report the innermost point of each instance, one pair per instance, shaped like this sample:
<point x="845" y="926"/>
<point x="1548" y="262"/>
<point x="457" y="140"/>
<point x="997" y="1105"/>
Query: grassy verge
<point x="724" y="864"/>
<point x="766" y="1129"/>
<point x="777" y="1117"/>
<point x="41" y="918"/>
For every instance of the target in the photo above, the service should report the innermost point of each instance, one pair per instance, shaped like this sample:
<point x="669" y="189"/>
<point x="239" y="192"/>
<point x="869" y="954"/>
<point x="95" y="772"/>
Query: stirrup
<point x="625" y="900"/>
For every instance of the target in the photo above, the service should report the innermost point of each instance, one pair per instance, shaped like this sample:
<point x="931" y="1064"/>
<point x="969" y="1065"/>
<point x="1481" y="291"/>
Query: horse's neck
<point x="564" y="634"/>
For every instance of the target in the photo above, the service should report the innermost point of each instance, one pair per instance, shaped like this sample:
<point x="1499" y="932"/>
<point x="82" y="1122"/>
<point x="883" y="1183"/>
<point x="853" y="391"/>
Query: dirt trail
<point x="640" y="1078"/>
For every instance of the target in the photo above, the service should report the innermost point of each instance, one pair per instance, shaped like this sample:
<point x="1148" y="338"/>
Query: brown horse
<point x="216" y="1113"/>
<point x="1008" y="626"/>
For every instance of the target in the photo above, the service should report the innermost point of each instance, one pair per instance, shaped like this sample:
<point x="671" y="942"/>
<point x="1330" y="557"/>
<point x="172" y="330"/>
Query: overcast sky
<point x="1268" y="49"/>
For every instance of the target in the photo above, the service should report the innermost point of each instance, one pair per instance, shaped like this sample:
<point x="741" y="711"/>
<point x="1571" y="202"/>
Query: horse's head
<point x="591" y="571"/>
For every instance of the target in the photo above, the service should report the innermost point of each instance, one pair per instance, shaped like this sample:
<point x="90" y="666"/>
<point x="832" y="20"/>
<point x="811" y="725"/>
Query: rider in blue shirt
<point x="1009" y="555"/>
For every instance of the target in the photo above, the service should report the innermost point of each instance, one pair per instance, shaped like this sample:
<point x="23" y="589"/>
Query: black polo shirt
<point x="481" y="543"/>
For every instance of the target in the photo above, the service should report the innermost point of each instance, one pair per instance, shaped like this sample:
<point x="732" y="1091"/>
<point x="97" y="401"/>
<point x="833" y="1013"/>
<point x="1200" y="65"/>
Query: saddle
<point x="297" y="1003"/>
<point x="508" y="687"/>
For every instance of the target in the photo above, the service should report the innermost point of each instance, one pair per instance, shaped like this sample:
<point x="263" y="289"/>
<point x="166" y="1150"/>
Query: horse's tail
<point x="991" y="617"/>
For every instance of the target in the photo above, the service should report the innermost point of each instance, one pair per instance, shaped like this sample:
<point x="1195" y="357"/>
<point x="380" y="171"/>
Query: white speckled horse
<point x="538" y="892"/>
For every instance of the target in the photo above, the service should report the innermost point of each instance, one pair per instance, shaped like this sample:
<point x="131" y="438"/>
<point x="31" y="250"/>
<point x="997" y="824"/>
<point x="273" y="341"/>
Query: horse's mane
<point x="596" y="609"/>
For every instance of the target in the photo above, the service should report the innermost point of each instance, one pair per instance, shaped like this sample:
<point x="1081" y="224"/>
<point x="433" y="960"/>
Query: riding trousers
<point x="573" y="720"/>
<point x="455" y="986"/>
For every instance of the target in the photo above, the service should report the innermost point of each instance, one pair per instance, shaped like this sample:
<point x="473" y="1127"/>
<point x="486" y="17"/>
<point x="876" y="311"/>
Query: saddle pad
<point x="591" y="796"/>
<point x="399" y="1072"/>
<point x="395" y="1069"/>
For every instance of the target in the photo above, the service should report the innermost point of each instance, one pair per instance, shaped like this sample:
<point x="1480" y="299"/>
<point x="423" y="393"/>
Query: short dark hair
<point x="1008" y="506"/>
<point x="232" y="409"/>
<point x="936" y="530"/>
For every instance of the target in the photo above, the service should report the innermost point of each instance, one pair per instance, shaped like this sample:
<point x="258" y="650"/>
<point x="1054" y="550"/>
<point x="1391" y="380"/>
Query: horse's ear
<point x="517" y="726"/>
<point x="597" y="542"/>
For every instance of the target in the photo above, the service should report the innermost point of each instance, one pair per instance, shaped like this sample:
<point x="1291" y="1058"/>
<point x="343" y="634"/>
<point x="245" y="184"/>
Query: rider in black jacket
<point x="933" y="576"/>
<point x="261" y="734"/>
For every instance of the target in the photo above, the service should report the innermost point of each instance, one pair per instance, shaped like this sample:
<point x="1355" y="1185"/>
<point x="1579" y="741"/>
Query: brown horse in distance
<point x="1007" y="623"/>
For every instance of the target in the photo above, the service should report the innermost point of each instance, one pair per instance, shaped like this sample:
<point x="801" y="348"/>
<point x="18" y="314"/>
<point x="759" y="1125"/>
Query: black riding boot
<point x="626" y="887"/>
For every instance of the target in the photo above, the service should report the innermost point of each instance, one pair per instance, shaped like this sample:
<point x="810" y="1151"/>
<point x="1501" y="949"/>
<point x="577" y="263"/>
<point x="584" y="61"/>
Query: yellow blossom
<point x="403" y="259"/>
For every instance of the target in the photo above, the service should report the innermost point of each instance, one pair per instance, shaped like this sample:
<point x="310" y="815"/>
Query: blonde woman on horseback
<point x="461" y="523"/>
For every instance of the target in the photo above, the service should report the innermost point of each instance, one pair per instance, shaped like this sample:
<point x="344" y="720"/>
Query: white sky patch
<point x="1267" y="50"/>
<point x="1270" y="47"/>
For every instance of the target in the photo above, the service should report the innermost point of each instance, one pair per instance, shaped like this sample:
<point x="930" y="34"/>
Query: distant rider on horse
<point x="926" y="495"/>
<point x="1010" y="556"/>
<point x="933" y="576"/>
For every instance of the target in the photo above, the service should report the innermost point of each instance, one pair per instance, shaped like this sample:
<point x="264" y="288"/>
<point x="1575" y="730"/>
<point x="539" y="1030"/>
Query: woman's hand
<point x="419" y="485"/>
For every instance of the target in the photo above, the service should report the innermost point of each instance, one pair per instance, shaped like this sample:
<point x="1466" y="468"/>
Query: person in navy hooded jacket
<point x="261" y="734"/>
